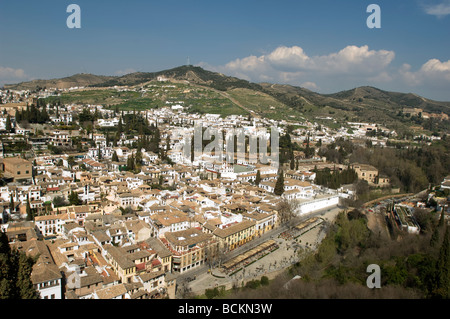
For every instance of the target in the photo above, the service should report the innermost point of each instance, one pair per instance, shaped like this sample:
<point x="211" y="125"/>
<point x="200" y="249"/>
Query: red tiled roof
<point x="155" y="262"/>
<point x="140" y="266"/>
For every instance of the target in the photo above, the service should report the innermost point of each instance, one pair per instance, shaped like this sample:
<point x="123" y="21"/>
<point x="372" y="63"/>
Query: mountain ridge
<point x="293" y="96"/>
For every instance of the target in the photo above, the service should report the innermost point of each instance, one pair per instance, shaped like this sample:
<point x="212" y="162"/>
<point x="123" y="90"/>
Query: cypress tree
<point x="138" y="157"/>
<point x="108" y="140"/>
<point x="443" y="269"/>
<point x="292" y="160"/>
<point x="11" y="204"/>
<point x="441" y="220"/>
<point x="15" y="273"/>
<point x="434" y="237"/>
<point x="8" y="124"/>
<point x="18" y="116"/>
<point x="120" y="126"/>
<point x="29" y="211"/>
<point x="6" y="268"/>
<point x="99" y="153"/>
<point x="25" y="287"/>
<point x="73" y="198"/>
<point x="130" y="163"/>
<point x="258" y="177"/>
<point x="279" y="185"/>
<point x="437" y="231"/>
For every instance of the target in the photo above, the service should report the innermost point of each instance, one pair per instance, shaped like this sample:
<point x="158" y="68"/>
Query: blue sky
<point x="323" y="45"/>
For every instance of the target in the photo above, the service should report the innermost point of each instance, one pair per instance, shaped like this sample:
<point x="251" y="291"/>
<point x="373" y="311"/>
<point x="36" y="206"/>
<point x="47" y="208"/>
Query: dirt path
<point x="376" y="223"/>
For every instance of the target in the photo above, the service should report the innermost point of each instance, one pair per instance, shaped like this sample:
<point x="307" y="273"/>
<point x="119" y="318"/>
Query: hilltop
<point x="77" y="80"/>
<point x="272" y="100"/>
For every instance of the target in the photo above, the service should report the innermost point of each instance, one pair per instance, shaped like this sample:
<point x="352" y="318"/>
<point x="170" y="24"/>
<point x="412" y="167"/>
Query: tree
<point x="12" y="206"/>
<point x="85" y="116"/>
<point x="131" y="163"/>
<point x="212" y="293"/>
<point x="8" y="126"/>
<point x="74" y="199"/>
<point x="115" y="158"/>
<point x="258" y="177"/>
<point x="24" y="285"/>
<point x="443" y="269"/>
<point x="7" y="280"/>
<point x="108" y="139"/>
<point x="99" y="153"/>
<point x="59" y="201"/>
<point x="30" y="215"/>
<point x="292" y="161"/>
<point x="120" y="126"/>
<point x="253" y="284"/>
<point x="18" y="116"/>
<point x="438" y="230"/>
<point x="15" y="273"/>
<point x="442" y="219"/>
<point x="126" y="211"/>
<point x="71" y="161"/>
<point x="279" y="185"/>
<point x="154" y="141"/>
<point x="43" y="117"/>
<point x="434" y="237"/>
<point x="362" y="187"/>
<point x="286" y="211"/>
<point x="264" y="281"/>
<point x="138" y="158"/>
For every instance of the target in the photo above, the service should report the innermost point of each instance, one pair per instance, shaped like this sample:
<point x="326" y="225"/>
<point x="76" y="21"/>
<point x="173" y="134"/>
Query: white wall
<point x="318" y="204"/>
<point x="47" y="292"/>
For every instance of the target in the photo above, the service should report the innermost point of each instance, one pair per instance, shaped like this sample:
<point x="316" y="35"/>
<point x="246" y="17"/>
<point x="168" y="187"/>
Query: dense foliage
<point x="15" y="272"/>
<point x="410" y="168"/>
<point x="335" y="179"/>
<point x="410" y="266"/>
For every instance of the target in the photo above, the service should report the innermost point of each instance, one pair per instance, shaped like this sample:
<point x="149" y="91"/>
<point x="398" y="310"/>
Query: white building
<point x="45" y="276"/>
<point x="318" y="204"/>
<point x="108" y="122"/>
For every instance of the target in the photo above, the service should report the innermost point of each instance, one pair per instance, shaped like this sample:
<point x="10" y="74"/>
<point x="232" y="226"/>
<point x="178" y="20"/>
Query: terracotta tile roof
<point x="111" y="292"/>
<point x="236" y="228"/>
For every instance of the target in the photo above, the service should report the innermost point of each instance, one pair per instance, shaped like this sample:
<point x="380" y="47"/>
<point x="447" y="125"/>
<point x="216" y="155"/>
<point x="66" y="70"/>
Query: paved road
<point x="255" y="242"/>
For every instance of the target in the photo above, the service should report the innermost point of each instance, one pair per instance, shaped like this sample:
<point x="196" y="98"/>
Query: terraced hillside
<point x="230" y="95"/>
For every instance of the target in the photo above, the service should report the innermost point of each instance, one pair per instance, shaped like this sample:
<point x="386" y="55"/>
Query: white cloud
<point x="433" y="72"/>
<point x="435" y="67"/>
<point x="439" y="10"/>
<point x="309" y="85"/>
<point x="353" y="59"/>
<point x="383" y="77"/>
<point x="349" y="67"/>
<point x="125" y="71"/>
<point x="289" y="58"/>
<point x="294" y="66"/>
<point x="10" y="75"/>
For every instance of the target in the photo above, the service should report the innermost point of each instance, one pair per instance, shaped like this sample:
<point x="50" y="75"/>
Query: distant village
<point x="102" y="231"/>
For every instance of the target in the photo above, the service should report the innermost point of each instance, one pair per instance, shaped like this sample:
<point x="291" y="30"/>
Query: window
<point x="18" y="172"/>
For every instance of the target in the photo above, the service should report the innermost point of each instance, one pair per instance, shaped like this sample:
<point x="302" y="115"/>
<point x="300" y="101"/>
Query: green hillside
<point x="231" y="95"/>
